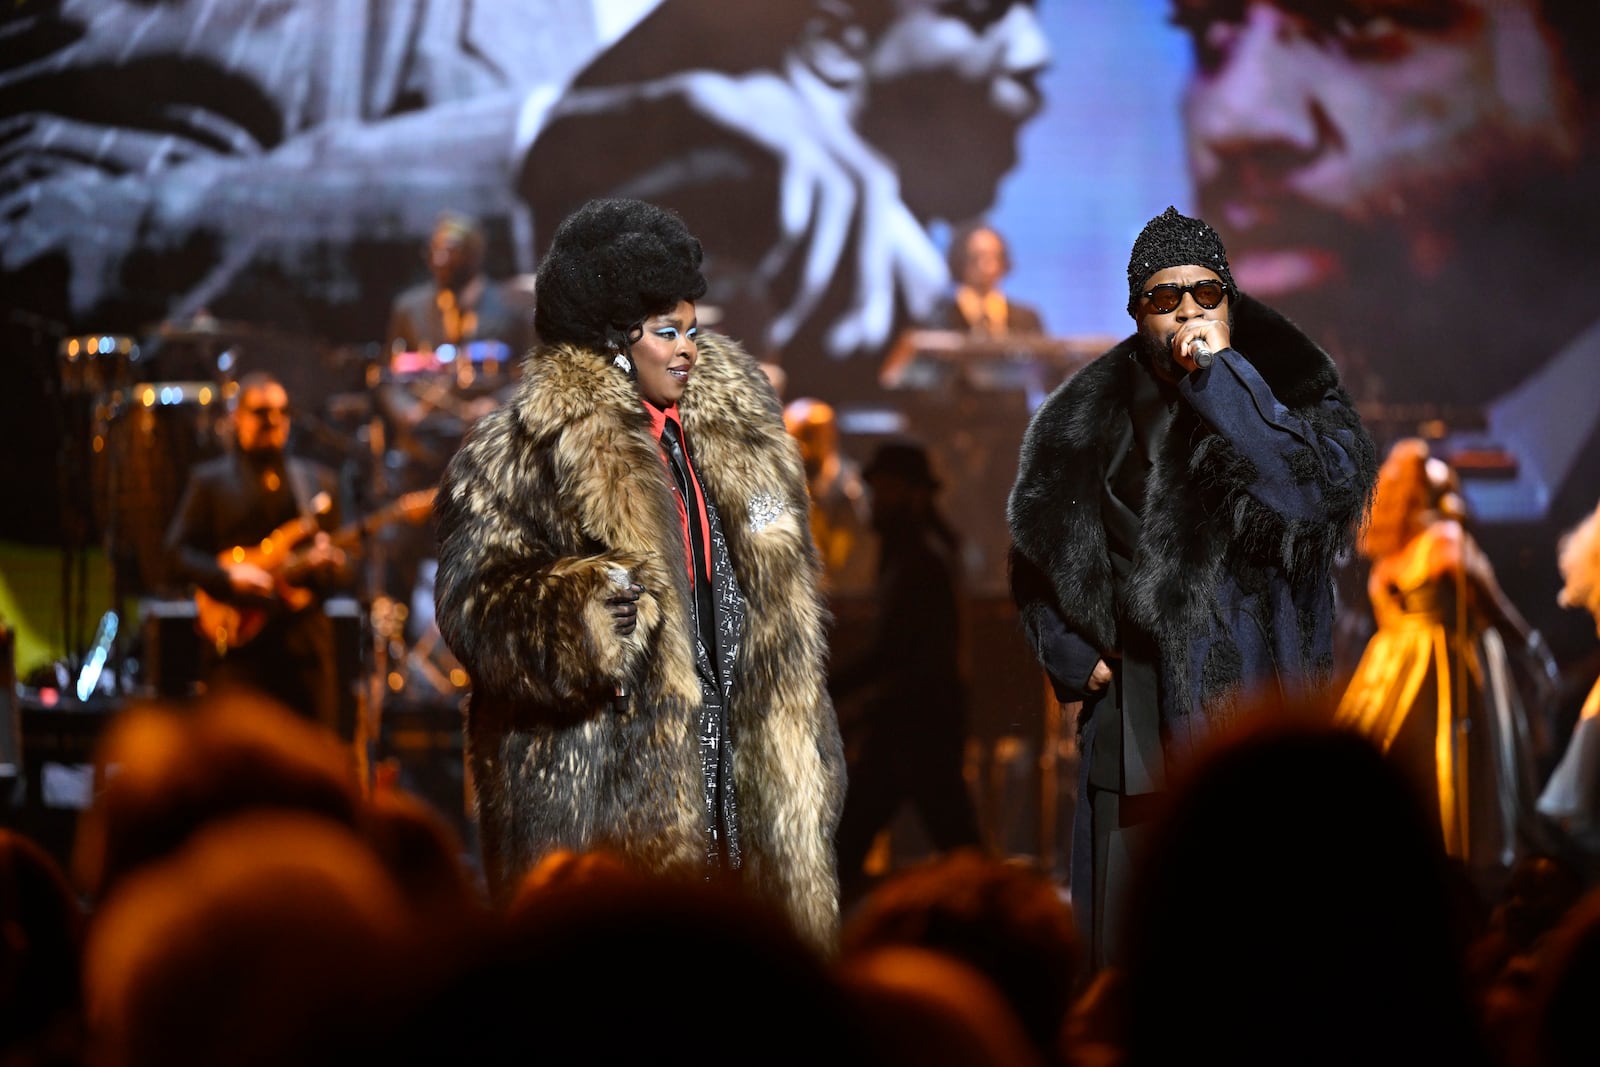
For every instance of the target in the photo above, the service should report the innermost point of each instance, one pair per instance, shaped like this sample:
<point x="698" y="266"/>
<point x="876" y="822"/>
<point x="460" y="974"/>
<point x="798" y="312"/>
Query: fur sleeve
<point x="1053" y="511"/>
<point x="520" y="598"/>
<point x="1336" y="468"/>
<point x="1293" y="485"/>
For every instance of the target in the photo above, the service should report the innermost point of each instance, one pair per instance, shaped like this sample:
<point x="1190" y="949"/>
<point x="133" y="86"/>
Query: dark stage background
<point x="1416" y="188"/>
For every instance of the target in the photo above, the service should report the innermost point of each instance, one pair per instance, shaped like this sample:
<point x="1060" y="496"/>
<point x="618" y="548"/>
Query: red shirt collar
<point x="659" y="417"/>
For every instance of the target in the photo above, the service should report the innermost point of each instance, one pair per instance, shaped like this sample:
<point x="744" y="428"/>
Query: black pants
<point x="1108" y="830"/>
<point x="294" y="660"/>
<point x="894" y="769"/>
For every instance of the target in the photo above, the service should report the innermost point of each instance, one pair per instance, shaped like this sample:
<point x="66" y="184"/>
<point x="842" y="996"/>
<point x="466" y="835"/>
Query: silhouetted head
<point x="627" y="967"/>
<point x="923" y="1008"/>
<point x="169" y="770"/>
<point x="1292" y="905"/>
<point x="41" y="946"/>
<point x="1007" y="921"/>
<point x="268" y="938"/>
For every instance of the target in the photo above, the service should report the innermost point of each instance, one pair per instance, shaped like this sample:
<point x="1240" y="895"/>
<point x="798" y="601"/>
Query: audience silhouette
<point x="242" y="897"/>
<point x="1294" y="904"/>
<point x="921" y="1008"/>
<point x="41" y="949"/>
<point x="1007" y="921"/>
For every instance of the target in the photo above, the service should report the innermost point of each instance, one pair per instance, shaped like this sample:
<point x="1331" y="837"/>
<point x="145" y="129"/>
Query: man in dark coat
<point x="1177" y="512"/>
<point x="240" y="499"/>
<point x="910" y="736"/>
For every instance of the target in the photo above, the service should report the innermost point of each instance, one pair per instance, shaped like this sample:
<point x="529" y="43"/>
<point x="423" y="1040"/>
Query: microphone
<point x="1203" y="356"/>
<point x="621" y="578"/>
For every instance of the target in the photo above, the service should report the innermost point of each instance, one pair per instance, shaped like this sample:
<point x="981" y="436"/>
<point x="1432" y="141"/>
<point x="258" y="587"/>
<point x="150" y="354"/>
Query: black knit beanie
<point x="1174" y="240"/>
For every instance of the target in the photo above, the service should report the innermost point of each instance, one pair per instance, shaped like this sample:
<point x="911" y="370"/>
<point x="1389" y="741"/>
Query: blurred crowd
<point x="237" y="895"/>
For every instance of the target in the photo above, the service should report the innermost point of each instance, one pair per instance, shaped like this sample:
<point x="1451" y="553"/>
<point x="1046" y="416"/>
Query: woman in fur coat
<point x="626" y="571"/>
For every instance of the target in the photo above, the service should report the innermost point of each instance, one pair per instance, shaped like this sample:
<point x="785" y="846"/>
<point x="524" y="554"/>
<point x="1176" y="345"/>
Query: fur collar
<point x="1196" y="510"/>
<point x="574" y="400"/>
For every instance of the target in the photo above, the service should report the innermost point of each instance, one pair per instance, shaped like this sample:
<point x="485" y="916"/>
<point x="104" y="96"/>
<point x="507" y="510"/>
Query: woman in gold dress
<point x="1435" y="686"/>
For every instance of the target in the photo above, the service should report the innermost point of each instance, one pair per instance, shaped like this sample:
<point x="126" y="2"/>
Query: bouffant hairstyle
<point x="1579" y="550"/>
<point x="612" y="264"/>
<point x="1401" y="501"/>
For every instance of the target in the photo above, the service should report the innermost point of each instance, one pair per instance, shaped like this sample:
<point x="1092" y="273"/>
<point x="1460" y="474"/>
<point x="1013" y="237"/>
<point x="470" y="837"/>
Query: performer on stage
<point x="979" y="261"/>
<point x="237" y="500"/>
<point x="428" y="404"/>
<point x="1572" y="796"/>
<point x="461" y="303"/>
<point x="1175" y="528"/>
<point x="910" y="742"/>
<point x="1435" y="687"/>
<point x="626" y="571"/>
<point x="840" y="519"/>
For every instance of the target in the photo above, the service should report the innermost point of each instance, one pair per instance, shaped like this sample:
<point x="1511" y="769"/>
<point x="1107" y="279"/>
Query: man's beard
<point x="1156" y="354"/>
<point x="264" y="456"/>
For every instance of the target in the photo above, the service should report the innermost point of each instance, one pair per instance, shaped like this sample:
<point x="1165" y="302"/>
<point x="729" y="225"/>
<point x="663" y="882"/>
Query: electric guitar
<point x="281" y="555"/>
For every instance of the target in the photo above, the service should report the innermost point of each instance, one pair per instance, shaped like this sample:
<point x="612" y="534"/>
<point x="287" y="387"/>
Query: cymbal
<point x="202" y="328"/>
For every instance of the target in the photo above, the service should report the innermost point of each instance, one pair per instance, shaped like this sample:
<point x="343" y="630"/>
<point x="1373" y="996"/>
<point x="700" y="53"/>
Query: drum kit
<point x="145" y="430"/>
<point x="136" y="414"/>
<point x="423" y="403"/>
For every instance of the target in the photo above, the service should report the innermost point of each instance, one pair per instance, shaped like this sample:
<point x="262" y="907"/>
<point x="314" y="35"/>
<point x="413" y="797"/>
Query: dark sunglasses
<point x="1164" y="298"/>
<point x="265" y="410"/>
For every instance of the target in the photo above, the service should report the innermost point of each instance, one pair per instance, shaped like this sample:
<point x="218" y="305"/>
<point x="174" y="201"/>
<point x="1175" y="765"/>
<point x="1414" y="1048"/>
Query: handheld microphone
<point x="1203" y="356"/>
<point x="621" y="578"/>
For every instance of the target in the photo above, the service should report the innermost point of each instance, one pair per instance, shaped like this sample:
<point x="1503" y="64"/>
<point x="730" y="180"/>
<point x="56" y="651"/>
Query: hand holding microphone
<point x="1196" y="344"/>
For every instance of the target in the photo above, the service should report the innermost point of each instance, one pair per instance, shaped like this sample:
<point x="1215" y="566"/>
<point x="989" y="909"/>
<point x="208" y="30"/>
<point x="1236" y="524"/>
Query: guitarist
<point x="237" y="500"/>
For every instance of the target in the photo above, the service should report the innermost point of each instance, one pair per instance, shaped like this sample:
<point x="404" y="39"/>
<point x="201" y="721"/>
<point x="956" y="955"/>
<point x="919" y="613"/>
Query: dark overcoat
<point x="1255" y="485"/>
<point x="1187" y="536"/>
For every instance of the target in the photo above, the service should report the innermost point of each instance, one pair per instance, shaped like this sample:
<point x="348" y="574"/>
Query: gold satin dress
<point x="1434" y="689"/>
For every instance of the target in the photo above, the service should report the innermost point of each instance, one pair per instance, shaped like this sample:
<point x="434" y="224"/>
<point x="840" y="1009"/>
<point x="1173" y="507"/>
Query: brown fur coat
<point x="544" y="498"/>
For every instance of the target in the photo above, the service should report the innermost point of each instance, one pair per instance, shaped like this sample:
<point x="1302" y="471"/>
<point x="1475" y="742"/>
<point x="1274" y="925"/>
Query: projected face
<point x="1335" y="139"/>
<point x="950" y="84"/>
